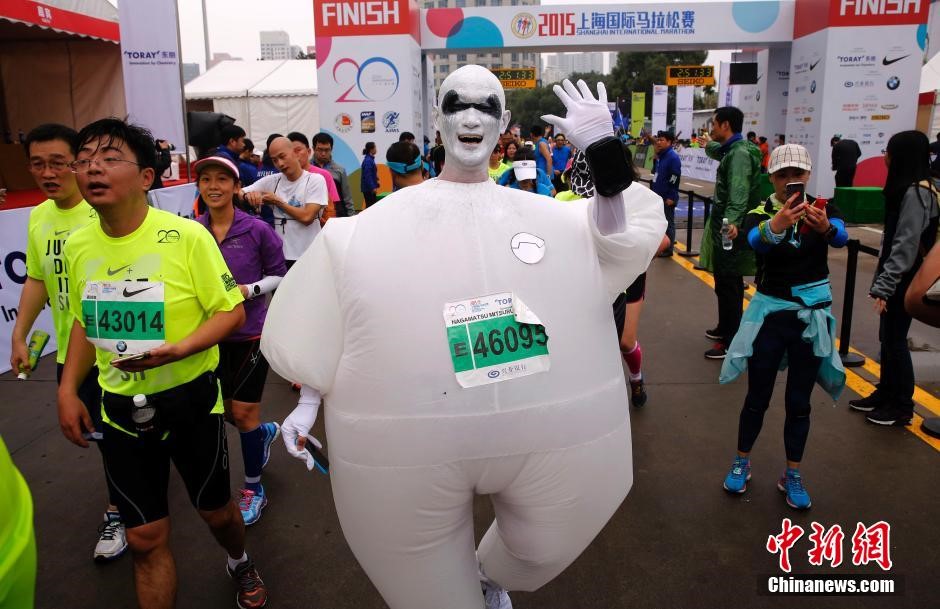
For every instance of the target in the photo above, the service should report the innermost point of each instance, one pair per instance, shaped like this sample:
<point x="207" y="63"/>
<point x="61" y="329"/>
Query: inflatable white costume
<point x="461" y="335"/>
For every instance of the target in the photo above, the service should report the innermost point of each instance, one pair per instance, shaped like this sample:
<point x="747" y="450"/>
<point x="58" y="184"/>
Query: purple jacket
<point x="252" y="250"/>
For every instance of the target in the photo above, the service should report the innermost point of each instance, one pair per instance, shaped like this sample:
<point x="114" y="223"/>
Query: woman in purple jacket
<point x="255" y="257"/>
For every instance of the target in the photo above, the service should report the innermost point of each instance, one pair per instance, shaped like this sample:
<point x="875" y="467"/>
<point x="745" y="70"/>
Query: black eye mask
<point x="452" y="104"/>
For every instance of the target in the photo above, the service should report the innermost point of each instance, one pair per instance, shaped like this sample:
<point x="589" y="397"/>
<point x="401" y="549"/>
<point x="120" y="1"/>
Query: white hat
<point x="789" y="155"/>
<point x="524" y="170"/>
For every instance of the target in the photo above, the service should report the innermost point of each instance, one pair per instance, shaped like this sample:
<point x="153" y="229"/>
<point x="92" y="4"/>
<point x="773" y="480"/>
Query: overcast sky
<point x="234" y="25"/>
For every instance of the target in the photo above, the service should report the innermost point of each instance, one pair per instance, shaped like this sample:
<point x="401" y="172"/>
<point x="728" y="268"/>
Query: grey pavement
<point x="678" y="541"/>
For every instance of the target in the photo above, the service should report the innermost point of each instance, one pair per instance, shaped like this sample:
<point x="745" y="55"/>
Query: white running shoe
<point x="112" y="541"/>
<point x="495" y="597"/>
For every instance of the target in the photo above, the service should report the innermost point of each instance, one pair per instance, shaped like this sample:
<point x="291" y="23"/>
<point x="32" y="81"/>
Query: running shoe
<point x="867" y="404"/>
<point x="718" y="351"/>
<point x="890" y="415"/>
<point x="791" y="483"/>
<point x="252" y="593"/>
<point x="271" y="433"/>
<point x="112" y="540"/>
<point x="736" y="480"/>
<point x="713" y="334"/>
<point x="251" y="503"/>
<point x="494" y="596"/>
<point x="637" y="393"/>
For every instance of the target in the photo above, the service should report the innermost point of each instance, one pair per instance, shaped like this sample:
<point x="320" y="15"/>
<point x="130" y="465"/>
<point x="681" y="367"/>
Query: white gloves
<point x="588" y="119"/>
<point x="298" y="424"/>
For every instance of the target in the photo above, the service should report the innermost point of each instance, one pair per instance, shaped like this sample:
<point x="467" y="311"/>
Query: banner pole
<point x="179" y="63"/>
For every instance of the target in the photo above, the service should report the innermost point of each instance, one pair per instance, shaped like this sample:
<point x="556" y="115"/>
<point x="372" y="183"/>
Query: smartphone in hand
<point x="794" y="188"/>
<point x="130" y="358"/>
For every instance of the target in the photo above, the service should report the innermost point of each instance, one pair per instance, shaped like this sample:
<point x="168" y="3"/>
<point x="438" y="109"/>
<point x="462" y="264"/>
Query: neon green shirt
<point x="46" y="233"/>
<point x="495" y="173"/>
<point x="567" y="195"/>
<point x="156" y="285"/>
<point x="17" y="541"/>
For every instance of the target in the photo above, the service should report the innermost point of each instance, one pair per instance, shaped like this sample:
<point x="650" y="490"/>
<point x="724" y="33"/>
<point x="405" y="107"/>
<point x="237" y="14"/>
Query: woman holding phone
<point x="911" y="214"/>
<point x="254" y="254"/>
<point x="789" y="318"/>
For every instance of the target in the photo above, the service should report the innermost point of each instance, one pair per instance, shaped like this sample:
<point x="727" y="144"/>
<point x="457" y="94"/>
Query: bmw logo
<point x="849" y="84"/>
<point x="493" y="374"/>
<point x="893" y="83"/>
<point x="812" y="87"/>
<point x="121" y="346"/>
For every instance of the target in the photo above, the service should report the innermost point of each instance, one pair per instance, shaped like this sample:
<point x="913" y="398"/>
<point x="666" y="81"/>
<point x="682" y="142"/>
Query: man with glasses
<point x="151" y="297"/>
<point x="323" y="158"/>
<point x="49" y="148"/>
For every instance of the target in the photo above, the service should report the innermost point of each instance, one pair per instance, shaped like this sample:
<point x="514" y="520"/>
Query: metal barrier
<point x="854" y="246"/>
<point x="689" y="252"/>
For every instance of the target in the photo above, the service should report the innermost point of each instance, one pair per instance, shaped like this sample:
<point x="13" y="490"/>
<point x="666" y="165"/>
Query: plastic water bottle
<point x="142" y="414"/>
<point x="726" y="242"/>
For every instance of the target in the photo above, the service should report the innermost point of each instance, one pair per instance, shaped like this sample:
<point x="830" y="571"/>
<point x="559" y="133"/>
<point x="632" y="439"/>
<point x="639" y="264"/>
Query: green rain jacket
<point x="737" y="191"/>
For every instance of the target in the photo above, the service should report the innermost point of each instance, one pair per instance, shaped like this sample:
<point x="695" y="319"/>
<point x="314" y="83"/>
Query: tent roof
<point x="293" y="77"/>
<point x="930" y="75"/>
<point x="229" y="79"/>
<point x="255" y="79"/>
<point x="86" y="18"/>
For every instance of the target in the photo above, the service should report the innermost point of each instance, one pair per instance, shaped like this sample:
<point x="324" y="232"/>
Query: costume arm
<point x="626" y="253"/>
<point x="303" y="331"/>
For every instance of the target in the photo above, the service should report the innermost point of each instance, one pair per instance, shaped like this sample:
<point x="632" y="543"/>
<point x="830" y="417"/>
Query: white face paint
<point x="471" y="114"/>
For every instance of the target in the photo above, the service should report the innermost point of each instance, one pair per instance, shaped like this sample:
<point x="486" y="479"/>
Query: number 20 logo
<point x="376" y="79"/>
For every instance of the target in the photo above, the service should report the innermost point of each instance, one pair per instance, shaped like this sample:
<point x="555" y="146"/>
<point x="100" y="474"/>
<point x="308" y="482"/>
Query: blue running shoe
<point x="736" y="480"/>
<point x="251" y="503"/>
<point x="791" y="483"/>
<point x="271" y="433"/>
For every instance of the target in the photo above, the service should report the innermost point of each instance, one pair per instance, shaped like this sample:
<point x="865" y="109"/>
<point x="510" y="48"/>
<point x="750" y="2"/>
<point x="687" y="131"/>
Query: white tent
<point x="930" y="75"/>
<point x="263" y="97"/>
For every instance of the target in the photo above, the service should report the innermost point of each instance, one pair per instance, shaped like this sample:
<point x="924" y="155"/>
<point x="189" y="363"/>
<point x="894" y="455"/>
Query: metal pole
<point x="850" y="360"/>
<point x="205" y="32"/>
<point x="688" y="252"/>
<point x="179" y="63"/>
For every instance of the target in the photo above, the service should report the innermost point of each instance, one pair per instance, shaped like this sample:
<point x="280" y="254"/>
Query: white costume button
<point x="527" y="247"/>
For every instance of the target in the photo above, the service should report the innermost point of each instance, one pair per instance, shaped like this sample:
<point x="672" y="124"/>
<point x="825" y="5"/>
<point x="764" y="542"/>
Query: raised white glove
<point x="588" y="119"/>
<point x="298" y="425"/>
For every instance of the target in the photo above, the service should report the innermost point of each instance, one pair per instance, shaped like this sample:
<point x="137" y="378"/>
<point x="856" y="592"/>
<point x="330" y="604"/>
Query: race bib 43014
<point x="124" y="317"/>
<point x="494" y="338"/>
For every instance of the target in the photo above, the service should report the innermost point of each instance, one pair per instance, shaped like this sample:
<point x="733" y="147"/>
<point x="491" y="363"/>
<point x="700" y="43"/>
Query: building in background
<point x="445" y="64"/>
<point x="275" y="45"/>
<point x="218" y="58"/>
<point x="190" y="71"/>
<point x="558" y="66"/>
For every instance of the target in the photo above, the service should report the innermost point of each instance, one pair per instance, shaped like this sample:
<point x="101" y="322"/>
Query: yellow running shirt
<point x="154" y="286"/>
<point x="48" y="228"/>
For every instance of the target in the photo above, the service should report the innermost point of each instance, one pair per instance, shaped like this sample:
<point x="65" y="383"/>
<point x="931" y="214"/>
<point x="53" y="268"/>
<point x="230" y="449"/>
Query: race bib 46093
<point x="124" y="317"/>
<point x="494" y="338"/>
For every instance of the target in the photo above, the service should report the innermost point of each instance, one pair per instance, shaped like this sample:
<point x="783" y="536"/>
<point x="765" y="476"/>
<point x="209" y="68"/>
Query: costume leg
<point x="554" y="507"/>
<point x="411" y="529"/>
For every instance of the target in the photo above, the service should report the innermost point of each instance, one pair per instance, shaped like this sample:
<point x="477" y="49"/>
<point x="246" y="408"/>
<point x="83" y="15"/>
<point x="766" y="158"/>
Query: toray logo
<point x="861" y="8"/>
<point x="370" y="12"/>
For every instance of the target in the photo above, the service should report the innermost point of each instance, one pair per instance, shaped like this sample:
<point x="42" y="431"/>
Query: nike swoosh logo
<point x="887" y="62"/>
<point x="128" y="294"/>
<point x="62" y="232"/>
<point x="813" y="65"/>
<point x="117" y="270"/>
<point x="759" y="76"/>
